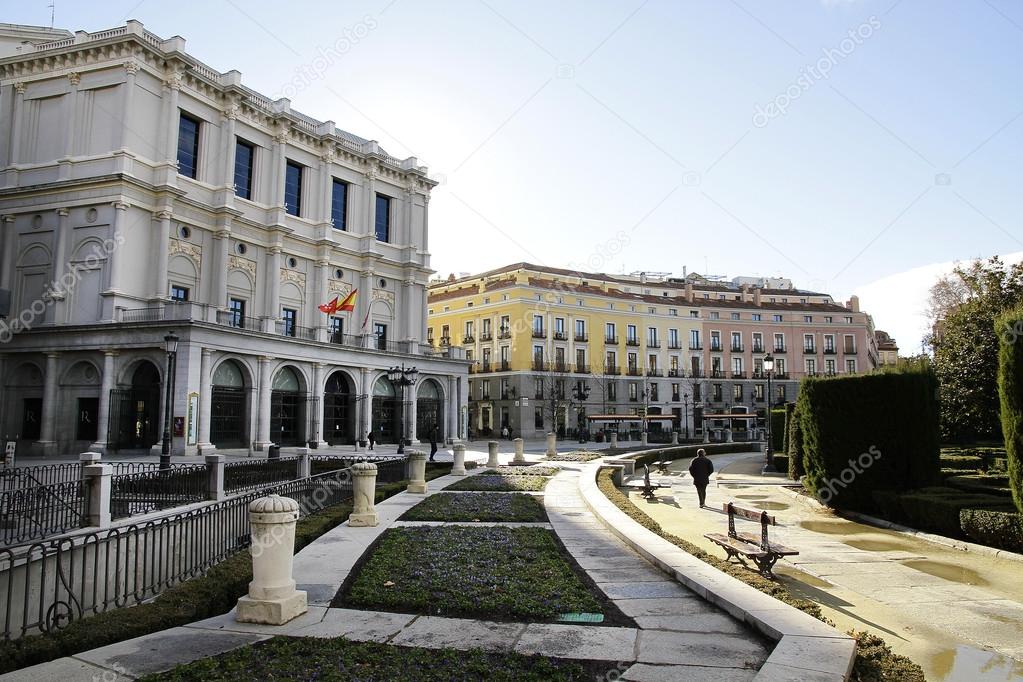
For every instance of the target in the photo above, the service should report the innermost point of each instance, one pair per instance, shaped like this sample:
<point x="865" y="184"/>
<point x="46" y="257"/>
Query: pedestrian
<point x="504" y="431"/>
<point x="700" y="469"/>
<point x="433" y="442"/>
<point x="372" y="439"/>
<point x="510" y="436"/>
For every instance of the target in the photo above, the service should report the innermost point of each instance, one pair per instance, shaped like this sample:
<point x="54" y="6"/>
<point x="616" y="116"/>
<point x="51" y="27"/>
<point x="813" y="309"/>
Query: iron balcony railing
<point x="653" y="344"/>
<point x="581" y="338"/>
<point x="715" y="347"/>
<point x="830" y="350"/>
<point x="635" y="372"/>
<point x="582" y="369"/>
<point x="485" y="367"/>
<point x="502" y="366"/>
<point x="468" y="338"/>
<point x="737" y="349"/>
<point x="611" y="340"/>
<point x="780" y="349"/>
<point x="696" y="374"/>
<point x="738" y="375"/>
<point x="717" y="374"/>
<point x="810" y="349"/>
<point x="505" y="333"/>
<point x="631" y="342"/>
<point x="539" y="334"/>
<point x="487" y="336"/>
<point x="612" y="370"/>
<point x="848" y="350"/>
<point x="539" y="365"/>
<point x="654" y="373"/>
<point x="560" y="336"/>
<point x="229" y="318"/>
<point x="675" y="372"/>
<point x="695" y="346"/>
<point x="674" y="345"/>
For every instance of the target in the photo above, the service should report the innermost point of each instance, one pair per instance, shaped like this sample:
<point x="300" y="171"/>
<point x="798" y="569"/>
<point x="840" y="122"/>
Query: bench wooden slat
<point x="781" y="550"/>
<point x="750" y="514"/>
<point x="740" y="546"/>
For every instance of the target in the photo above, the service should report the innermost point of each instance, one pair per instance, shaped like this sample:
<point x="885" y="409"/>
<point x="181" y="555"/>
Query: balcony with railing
<point x="284" y="328"/>
<point x="505" y="333"/>
<point x="502" y="366"/>
<point x="716" y="347"/>
<point x="468" y="338"/>
<point x="780" y="349"/>
<point x="717" y="374"/>
<point x="695" y="346"/>
<point x="830" y="350"/>
<point x="581" y="338"/>
<point x="782" y="376"/>
<point x="758" y="348"/>
<point x="582" y="369"/>
<point x="560" y="336"/>
<point x="810" y="350"/>
<point x="612" y="370"/>
<point x="539" y="333"/>
<point x="560" y="367"/>
<point x="738" y="374"/>
<point x="674" y="345"/>
<point x="485" y="366"/>
<point x="611" y="340"/>
<point x="697" y="374"/>
<point x="849" y="350"/>
<point x="737" y="348"/>
<point x="229" y="318"/>
<point x="445" y="341"/>
<point x="539" y="365"/>
<point x="654" y="373"/>
<point x="486" y="336"/>
<point x="653" y="343"/>
<point x="632" y="342"/>
<point x="675" y="372"/>
<point x="635" y="371"/>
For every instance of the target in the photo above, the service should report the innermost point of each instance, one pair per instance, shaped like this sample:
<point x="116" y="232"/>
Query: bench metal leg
<point x="765" y="564"/>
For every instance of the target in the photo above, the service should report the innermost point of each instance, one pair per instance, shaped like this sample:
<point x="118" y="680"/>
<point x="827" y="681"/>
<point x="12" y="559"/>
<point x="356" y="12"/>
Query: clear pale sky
<point x="625" y="136"/>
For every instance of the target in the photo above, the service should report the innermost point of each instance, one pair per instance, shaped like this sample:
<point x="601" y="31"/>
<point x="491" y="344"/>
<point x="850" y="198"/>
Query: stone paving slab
<point x="699" y="622"/>
<point x="649" y="590"/>
<point x="459" y="633"/>
<point x="619" y="575"/>
<point x="684" y="606"/>
<point x="472" y="524"/>
<point x="703" y="649"/>
<point x="359" y="626"/>
<point x="226" y="622"/>
<point x="645" y="672"/>
<point x="579" y="641"/>
<point x="827" y="655"/>
<point x="62" y="670"/>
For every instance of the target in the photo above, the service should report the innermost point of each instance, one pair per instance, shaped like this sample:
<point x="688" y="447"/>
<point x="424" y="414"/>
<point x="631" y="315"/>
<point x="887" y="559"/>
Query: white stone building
<point x="143" y="192"/>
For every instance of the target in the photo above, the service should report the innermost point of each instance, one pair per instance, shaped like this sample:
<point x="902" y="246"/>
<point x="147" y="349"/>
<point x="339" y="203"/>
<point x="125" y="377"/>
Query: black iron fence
<point x="47" y="474"/>
<point x="41" y="511"/>
<point x="155" y="489"/>
<point x="259" y="473"/>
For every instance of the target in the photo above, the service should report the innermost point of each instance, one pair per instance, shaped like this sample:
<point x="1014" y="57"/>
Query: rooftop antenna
<point x="53" y="9"/>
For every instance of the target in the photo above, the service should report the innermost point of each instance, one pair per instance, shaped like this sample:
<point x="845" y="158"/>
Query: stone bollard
<point x="87" y="458"/>
<point x="613" y="439"/>
<point x="458" y="468"/>
<point x="304" y="468"/>
<point x="215" y="477"/>
<point x="364" y="490"/>
<point x="97" y="494"/>
<point x="417" y="472"/>
<point x="643" y="438"/>
<point x="492" y="460"/>
<point x="520" y="453"/>
<point x="706" y="436"/>
<point x="674" y="437"/>
<point x="552" y="447"/>
<point x="728" y="435"/>
<point x="628" y="464"/>
<point x="272" y="597"/>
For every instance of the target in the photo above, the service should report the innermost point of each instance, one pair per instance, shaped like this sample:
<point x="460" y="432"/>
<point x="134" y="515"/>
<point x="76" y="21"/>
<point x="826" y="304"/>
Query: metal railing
<point x="45" y="474"/>
<point x="41" y="511"/>
<point x="156" y="489"/>
<point x="239" y="321"/>
<point x="241" y="476"/>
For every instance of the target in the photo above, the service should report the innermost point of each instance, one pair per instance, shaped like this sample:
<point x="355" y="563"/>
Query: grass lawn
<point x="532" y="470"/>
<point x="499" y="482"/>
<point x="477" y="507"/>
<point x="497" y="573"/>
<point x="310" y="658"/>
<point x="576" y="456"/>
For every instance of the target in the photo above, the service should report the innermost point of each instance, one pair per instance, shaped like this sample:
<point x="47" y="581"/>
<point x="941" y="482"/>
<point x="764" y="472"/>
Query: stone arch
<point x="81" y="373"/>
<point x="340" y="407"/>
<point x="248" y="375"/>
<point x="183" y="269"/>
<point x="25" y="374"/>
<point x="34" y="255"/>
<point x="288" y="402"/>
<point x="230" y="403"/>
<point x="429" y="407"/>
<point x="85" y="303"/>
<point x="127" y="371"/>
<point x="89" y="250"/>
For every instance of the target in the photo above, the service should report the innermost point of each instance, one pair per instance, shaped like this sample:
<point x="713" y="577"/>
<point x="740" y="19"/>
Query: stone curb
<point x="950" y="543"/>
<point x="806" y="646"/>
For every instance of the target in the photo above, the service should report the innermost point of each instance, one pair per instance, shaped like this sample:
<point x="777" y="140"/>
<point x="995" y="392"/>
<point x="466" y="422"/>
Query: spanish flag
<point x="349" y="303"/>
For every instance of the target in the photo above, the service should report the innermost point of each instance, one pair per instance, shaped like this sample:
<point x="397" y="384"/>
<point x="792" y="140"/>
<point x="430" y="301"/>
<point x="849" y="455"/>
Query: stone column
<point x="366" y="415"/>
<point x="272" y="597"/>
<point x="97" y="492"/>
<point x="326" y="188"/>
<point x="131" y="69"/>
<point x="305" y="464"/>
<point x="492" y="459"/>
<point x="643" y="438"/>
<point x="674" y="437"/>
<point x="47" y="443"/>
<point x="205" y="401"/>
<point x="728" y="435"/>
<point x="263" y="413"/>
<point x="520" y="456"/>
<point x="115" y="265"/>
<point x="273" y="291"/>
<point x="412" y="414"/>
<point x="451" y="429"/>
<point x="228" y="147"/>
<point x="280" y="161"/>
<point x="320" y="295"/>
<point x="417" y="472"/>
<point x="221" y="254"/>
<point x="552" y="444"/>
<point x="706" y="435"/>
<point x="10" y="237"/>
<point x="159" y="253"/>
<point x="70" y="124"/>
<point x="613" y="439"/>
<point x="103" y="419"/>
<point x="61" y="236"/>
<point x="364" y="479"/>
<point x="17" y="120"/>
<point x="362" y="305"/>
<point x="458" y="468"/>
<point x="319" y="369"/>
<point x="369" y="188"/>
<point x="214" y="477"/>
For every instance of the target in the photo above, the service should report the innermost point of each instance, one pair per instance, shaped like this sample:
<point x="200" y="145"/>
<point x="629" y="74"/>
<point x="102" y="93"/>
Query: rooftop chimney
<point x="689" y="291"/>
<point x="853" y="304"/>
<point x="756" y="297"/>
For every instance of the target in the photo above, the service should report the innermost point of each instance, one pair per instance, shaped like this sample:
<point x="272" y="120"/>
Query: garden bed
<point x="498" y="573"/>
<point x="533" y="470"/>
<point x="311" y="658"/>
<point x="501" y="483"/>
<point x="575" y="456"/>
<point x="477" y="507"/>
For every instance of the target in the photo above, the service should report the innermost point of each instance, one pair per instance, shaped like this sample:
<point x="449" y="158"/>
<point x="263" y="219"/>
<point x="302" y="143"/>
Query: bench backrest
<point x="763" y="517"/>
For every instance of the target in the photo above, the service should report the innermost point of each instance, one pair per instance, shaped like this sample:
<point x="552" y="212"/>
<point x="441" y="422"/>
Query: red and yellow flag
<point x="349" y="303"/>
<point x="330" y="307"/>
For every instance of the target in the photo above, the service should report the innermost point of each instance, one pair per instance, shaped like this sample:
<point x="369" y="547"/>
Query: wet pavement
<point x="959" y="615"/>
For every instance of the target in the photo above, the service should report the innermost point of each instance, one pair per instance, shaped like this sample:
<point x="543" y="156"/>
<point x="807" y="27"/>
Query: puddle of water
<point x="733" y="486"/>
<point x="752" y="497"/>
<point x="969" y="664"/>
<point x="877" y="545"/>
<point x="830" y="527"/>
<point x="771" y="506"/>
<point x="957" y="574"/>
<point x="804" y="577"/>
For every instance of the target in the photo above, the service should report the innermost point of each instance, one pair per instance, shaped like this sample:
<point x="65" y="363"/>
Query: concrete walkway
<point x="680" y="636"/>
<point x="959" y="615"/>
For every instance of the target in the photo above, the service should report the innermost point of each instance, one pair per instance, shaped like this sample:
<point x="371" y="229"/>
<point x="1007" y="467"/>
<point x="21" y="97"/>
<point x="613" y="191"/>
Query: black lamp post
<point x="581" y="393"/>
<point x="171" y="346"/>
<point x="769" y="370"/>
<point x="401" y="378"/>
<point x="685" y="408"/>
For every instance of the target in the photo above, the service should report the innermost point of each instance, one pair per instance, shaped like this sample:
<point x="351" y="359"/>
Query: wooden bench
<point x="648" y="487"/>
<point x="662" y="467"/>
<point x="742" y="546"/>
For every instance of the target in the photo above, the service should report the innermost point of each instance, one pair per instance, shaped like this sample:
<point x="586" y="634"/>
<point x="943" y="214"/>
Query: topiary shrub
<point x="789" y="409"/>
<point x="1010" y="393"/>
<point x="781" y="464"/>
<point x="778" y="429"/>
<point x="795" y="446"/>
<point x="1000" y="529"/>
<point x="869" y="432"/>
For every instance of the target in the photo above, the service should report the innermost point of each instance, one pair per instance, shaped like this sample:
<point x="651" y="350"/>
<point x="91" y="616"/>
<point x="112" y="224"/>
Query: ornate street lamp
<point x="171" y="346"/>
<point x="769" y="370"/>
<point x="581" y="393"/>
<point x="401" y="378"/>
<point x="685" y="407"/>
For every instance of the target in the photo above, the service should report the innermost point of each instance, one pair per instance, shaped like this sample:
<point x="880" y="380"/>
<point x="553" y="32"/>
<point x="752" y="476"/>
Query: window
<point x="538" y="418"/>
<point x="612" y="391"/>
<point x="178" y="294"/>
<point x="580" y="360"/>
<point x="735" y="316"/>
<point x="538" y="325"/>
<point x="675" y="395"/>
<point x="715" y="340"/>
<point x="673" y="338"/>
<point x="651" y="363"/>
<point x="633" y="362"/>
<point x="694" y="313"/>
<point x="808" y="344"/>
<point x="777" y="318"/>
<point x="580" y="330"/>
<point x="755" y="317"/>
<point x="293" y="188"/>
<point x="610" y="361"/>
<point x="88" y="422"/>
<point x="610" y="333"/>
<point x="289" y="316"/>
<point x="758" y="392"/>
<point x="694" y="339"/>
<point x="339" y="204"/>
<point x="653" y="392"/>
<point x="630" y="334"/>
<point x="236" y="306"/>
<point x="737" y="365"/>
<point x="697" y="392"/>
<point x="633" y="391"/>
<point x="244" y="156"/>
<point x="188" y="145"/>
<point x="559" y="327"/>
<point x="538" y="389"/>
<point x="485" y="389"/>
<point x="429" y="334"/>
<point x="651" y="337"/>
<point x="383" y="218"/>
<point x="779" y="343"/>
<point x="737" y="392"/>
<point x="337" y="329"/>
<point x="829" y="343"/>
<point x="828" y="319"/>
<point x="849" y="343"/>
<point x="779" y="366"/>
<point x="850" y="365"/>
<point x="808" y="319"/>
<point x="673" y="312"/>
<point x="737" y="342"/>
<point x="848" y="319"/>
<point x="718" y="394"/>
<point x="715" y="315"/>
<point x="811" y="366"/>
<point x="779" y="393"/>
<point x="538" y="357"/>
<point x="758" y="342"/>
<point x="380" y="332"/>
<point x="829" y="366"/>
<point x="468" y="329"/>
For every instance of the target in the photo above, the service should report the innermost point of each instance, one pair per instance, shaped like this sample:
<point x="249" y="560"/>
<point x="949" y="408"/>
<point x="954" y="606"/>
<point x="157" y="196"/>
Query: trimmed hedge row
<point x="1000" y="529"/>
<point x="863" y="433"/>
<point x="794" y="448"/>
<point x="789" y="409"/>
<point x="781" y="464"/>
<point x="778" y="429"/>
<point x="211" y="595"/>
<point x="681" y="451"/>
<point x="937" y="509"/>
<point x="875" y="661"/>
<point x="1010" y="395"/>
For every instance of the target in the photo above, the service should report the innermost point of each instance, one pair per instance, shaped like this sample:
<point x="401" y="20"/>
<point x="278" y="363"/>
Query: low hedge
<point x="937" y="509"/>
<point x="962" y="461"/>
<point x="1001" y="529"/>
<point x="682" y="451"/>
<point x="990" y="484"/>
<point x="875" y="661"/>
<point x="210" y="595"/>
<point x="795" y="445"/>
<point x="781" y="464"/>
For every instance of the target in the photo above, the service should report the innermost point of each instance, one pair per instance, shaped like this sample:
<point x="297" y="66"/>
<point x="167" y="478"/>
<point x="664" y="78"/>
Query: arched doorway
<point x="338" y="410"/>
<point x="287" y="408"/>
<point x="135" y="411"/>
<point x="429" y="411"/>
<point x="386" y="411"/>
<point x="228" y="407"/>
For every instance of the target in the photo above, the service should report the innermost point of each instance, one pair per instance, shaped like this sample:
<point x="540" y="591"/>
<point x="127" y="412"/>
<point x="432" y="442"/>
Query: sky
<point x="854" y="146"/>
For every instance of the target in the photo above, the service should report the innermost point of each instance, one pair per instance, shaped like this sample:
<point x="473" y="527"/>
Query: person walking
<point x="433" y="442"/>
<point x="372" y="439"/>
<point x="700" y="469"/>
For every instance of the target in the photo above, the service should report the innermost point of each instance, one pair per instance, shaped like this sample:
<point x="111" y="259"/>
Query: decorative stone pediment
<point x="379" y="295"/>
<point x="293" y="277"/>
<point x="338" y="287"/>
<point x="243" y="264"/>
<point x="187" y="249"/>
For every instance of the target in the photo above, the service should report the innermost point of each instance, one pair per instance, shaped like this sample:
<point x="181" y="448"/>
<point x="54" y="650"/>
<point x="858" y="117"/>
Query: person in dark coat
<point x="372" y="439"/>
<point x="433" y="443"/>
<point x="700" y="469"/>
